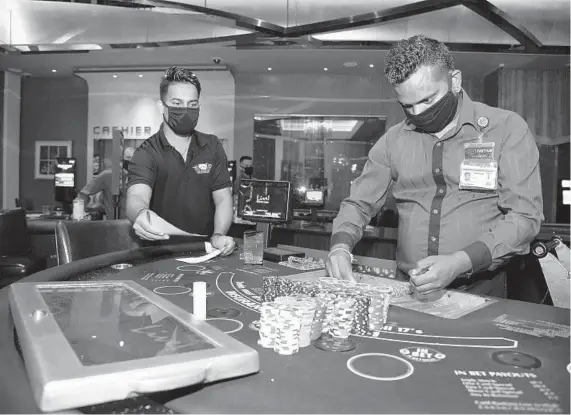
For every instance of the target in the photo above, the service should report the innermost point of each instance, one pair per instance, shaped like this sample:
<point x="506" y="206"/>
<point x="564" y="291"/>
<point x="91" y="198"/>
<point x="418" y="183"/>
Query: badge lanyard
<point x="479" y="169"/>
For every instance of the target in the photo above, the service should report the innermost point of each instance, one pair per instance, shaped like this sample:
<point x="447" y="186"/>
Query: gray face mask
<point x="182" y="120"/>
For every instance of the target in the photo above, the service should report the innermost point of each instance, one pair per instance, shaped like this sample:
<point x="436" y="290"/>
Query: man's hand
<point x="226" y="244"/>
<point x="144" y="229"/>
<point x="437" y="272"/>
<point x="339" y="263"/>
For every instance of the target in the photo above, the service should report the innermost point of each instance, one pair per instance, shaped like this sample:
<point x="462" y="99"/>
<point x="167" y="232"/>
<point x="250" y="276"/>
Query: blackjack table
<point x="501" y="356"/>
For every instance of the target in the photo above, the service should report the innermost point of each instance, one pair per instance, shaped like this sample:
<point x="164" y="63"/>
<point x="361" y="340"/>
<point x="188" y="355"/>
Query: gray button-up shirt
<point x="435" y="216"/>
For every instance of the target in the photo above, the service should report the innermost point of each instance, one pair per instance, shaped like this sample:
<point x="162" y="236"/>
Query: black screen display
<point x="264" y="201"/>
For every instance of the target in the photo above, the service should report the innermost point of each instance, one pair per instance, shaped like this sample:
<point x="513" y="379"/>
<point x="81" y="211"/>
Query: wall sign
<point x="132" y="131"/>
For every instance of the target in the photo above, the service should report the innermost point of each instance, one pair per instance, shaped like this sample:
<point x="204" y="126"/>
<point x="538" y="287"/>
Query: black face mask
<point x="248" y="170"/>
<point x="125" y="164"/>
<point x="182" y="120"/>
<point x="438" y="116"/>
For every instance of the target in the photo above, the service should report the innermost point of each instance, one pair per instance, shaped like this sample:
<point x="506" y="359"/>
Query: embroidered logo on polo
<point x="202" y="168"/>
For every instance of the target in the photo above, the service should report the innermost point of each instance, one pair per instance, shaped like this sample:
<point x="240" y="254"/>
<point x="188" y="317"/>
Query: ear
<point x="161" y="107"/>
<point x="456" y="77"/>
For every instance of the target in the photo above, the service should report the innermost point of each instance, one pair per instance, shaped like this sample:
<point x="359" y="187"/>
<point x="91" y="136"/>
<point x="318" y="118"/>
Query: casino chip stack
<point x="283" y="286"/>
<point x="288" y="329"/>
<point x="269" y="288"/>
<point x="269" y="314"/>
<point x="308" y="306"/>
<point x="361" y="314"/>
<point x="379" y="307"/>
<point x="400" y="289"/>
<point x="342" y="321"/>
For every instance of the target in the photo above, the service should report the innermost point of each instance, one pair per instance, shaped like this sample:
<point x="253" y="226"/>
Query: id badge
<point x="479" y="170"/>
<point x="478" y="176"/>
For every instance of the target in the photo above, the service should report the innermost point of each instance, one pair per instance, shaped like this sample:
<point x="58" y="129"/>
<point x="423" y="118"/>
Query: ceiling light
<point x="325" y="69"/>
<point x="270" y="68"/>
<point x="140" y="75"/>
<point x="114" y="76"/>
<point x="371" y="66"/>
<point x="350" y="64"/>
<point x="54" y="70"/>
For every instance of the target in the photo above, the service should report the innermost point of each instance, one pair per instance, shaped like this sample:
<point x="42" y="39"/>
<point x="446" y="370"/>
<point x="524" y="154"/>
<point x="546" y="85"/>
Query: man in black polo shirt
<point x="179" y="173"/>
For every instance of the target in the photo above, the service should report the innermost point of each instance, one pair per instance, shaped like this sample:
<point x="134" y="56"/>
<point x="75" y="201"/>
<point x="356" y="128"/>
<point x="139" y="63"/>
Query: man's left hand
<point x="441" y="270"/>
<point x="225" y="243"/>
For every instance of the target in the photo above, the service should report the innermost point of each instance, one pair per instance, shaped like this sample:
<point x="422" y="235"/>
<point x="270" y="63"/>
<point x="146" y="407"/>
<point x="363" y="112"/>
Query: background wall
<point x="541" y="97"/>
<point x="316" y="94"/>
<point x="52" y="109"/>
<point x="10" y="139"/>
<point x="1" y="127"/>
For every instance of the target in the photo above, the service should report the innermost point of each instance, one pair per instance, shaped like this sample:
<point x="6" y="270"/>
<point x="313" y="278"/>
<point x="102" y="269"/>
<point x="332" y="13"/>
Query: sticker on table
<point x="422" y="354"/>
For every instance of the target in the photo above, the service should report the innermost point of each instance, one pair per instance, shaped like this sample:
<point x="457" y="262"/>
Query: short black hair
<point x="178" y="75"/>
<point x="245" y="158"/>
<point x="408" y="55"/>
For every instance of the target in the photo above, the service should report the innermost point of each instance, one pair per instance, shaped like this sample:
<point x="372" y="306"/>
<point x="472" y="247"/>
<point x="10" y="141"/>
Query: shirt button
<point x="433" y="238"/>
<point x="440" y="191"/>
<point x="435" y="211"/>
<point x="437" y="170"/>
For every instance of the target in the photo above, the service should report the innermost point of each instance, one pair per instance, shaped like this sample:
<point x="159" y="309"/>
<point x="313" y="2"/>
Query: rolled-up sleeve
<point x="142" y="167"/>
<point x="520" y="197"/>
<point x="367" y="196"/>
<point x="220" y="171"/>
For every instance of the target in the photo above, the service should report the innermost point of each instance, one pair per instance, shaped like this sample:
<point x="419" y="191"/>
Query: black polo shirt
<point x="182" y="191"/>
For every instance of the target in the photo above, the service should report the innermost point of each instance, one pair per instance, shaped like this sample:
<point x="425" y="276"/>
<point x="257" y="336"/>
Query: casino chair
<point x="16" y="258"/>
<point x="84" y="239"/>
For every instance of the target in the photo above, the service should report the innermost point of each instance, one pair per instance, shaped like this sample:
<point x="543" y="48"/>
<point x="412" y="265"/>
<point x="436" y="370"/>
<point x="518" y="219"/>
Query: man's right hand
<point x="339" y="263"/>
<point x="144" y="228"/>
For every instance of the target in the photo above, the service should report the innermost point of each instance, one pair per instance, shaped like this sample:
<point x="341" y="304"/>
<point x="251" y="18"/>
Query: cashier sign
<point x="479" y="169"/>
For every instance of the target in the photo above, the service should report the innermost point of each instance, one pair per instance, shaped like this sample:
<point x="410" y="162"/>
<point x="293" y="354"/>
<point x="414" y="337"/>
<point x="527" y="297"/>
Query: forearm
<point x="135" y="204"/>
<point x="349" y="224"/>
<point x="223" y="215"/>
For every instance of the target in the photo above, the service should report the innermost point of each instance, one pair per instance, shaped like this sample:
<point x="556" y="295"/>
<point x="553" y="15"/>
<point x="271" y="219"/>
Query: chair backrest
<point x="14" y="236"/>
<point x="84" y="239"/>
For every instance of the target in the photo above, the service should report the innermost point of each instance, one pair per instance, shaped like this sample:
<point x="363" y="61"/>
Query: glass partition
<point x="321" y="152"/>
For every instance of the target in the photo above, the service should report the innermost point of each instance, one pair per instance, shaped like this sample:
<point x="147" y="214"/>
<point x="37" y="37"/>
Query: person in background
<point x="455" y="230"/>
<point x="103" y="183"/>
<point x="245" y="171"/>
<point x="181" y="174"/>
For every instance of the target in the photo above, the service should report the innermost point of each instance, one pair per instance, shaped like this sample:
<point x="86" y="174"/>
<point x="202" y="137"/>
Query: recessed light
<point x="54" y="70"/>
<point x="114" y="76"/>
<point x="371" y="66"/>
<point x="140" y="75"/>
<point x="270" y="68"/>
<point x="325" y="69"/>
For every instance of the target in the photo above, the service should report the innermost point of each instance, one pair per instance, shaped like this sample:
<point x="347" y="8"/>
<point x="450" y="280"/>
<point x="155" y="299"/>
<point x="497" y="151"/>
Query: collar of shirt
<point x="197" y="138"/>
<point x="466" y="116"/>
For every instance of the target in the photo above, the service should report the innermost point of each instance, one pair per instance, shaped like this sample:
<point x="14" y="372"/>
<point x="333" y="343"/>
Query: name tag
<point x="479" y="170"/>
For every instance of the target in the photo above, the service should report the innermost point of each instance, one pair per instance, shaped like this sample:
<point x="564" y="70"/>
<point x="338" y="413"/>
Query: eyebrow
<point x="423" y="99"/>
